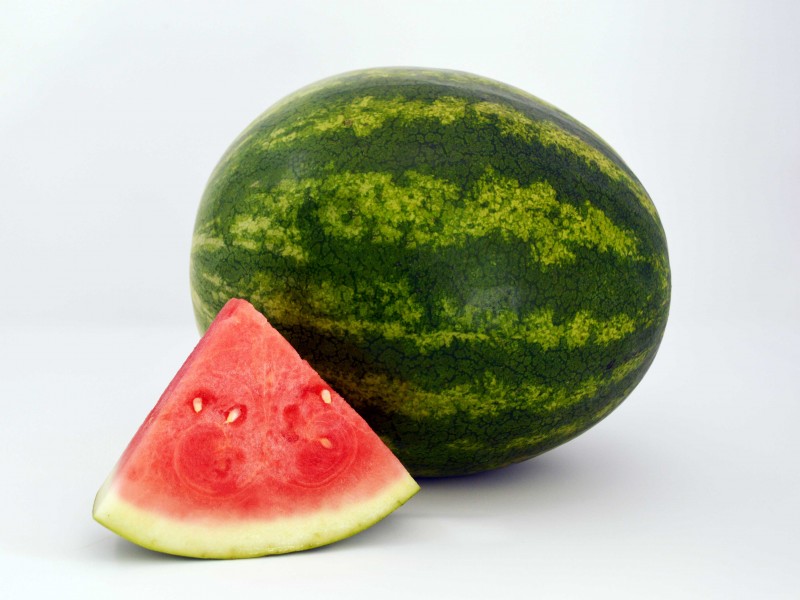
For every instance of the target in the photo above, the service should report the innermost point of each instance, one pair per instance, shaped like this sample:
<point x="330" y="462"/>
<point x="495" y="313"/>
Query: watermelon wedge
<point x="249" y="452"/>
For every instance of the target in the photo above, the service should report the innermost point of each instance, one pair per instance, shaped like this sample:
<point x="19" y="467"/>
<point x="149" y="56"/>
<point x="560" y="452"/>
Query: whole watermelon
<point x="479" y="274"/>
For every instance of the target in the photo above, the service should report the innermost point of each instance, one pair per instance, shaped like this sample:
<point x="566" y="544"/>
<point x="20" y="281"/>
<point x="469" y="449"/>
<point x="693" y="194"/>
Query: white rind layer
<point x="225" y="538"/>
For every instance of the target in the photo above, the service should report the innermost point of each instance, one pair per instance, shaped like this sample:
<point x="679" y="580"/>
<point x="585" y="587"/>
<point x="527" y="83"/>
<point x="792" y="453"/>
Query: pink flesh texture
<point x="287" y="453"/>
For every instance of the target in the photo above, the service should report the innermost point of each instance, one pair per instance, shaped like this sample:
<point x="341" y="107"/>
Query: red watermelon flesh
<point x="249" y="452"/>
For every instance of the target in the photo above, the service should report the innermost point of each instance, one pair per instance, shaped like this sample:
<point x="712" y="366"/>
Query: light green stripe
<point x="371" y="207"/>
<point x="515" y="123"/>
<point x="203" y="241"/>
<point x="403" y="314"/>
<point x="533" y="214"/>
<point x="492" y="398"/>
<point x="364" y="114"/>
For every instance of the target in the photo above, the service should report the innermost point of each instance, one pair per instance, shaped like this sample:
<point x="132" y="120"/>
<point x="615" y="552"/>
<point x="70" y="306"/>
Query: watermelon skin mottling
<point x="478" y="273"/>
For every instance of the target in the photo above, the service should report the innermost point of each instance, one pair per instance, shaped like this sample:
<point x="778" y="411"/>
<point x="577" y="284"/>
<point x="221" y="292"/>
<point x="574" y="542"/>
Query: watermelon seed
<point x="326" y="443"/>
<point x="326" y="396"/>
<point x="233" y="415"/>
<point x="197" y="404"/>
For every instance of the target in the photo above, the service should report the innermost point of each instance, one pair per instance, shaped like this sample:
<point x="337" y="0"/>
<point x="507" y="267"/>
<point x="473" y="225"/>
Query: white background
<point x="112" y="116"/>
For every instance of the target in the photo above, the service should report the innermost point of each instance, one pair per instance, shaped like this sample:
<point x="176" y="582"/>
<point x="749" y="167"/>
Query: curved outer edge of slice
<point x="220" y="538"/>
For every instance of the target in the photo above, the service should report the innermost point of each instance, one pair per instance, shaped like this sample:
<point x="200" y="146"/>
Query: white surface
<point x="112" y="117"/>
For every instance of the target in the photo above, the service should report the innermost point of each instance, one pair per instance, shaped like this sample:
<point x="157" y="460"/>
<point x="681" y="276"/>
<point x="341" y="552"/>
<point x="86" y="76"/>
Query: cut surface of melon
<point x="249" y="452"/>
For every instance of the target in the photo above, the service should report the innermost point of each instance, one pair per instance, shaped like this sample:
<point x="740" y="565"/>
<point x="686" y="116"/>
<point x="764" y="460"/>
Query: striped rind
<point x="479" y="274"/>
<point x="209" y="538"/>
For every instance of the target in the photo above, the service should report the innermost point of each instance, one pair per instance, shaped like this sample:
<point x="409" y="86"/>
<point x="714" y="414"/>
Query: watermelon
<point x="478" y="273"/>
<point x="249" y="452"/>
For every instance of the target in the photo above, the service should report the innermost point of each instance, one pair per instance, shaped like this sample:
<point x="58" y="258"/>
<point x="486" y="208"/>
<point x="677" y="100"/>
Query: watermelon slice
<point x="249" y="452"/>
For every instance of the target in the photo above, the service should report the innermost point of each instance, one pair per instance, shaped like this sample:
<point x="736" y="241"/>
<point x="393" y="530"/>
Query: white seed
<point x="197" y="404"/>
<point x="326" y="396"/>
<point x="326" y="443"/>
<point x="233" y="415"/>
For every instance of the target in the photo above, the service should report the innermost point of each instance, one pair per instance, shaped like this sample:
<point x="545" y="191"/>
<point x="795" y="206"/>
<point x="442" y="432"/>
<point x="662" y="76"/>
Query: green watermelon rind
<point x="467" y="341"/>
<point x="225" y="539"/>
<point x="245" y="538"/>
